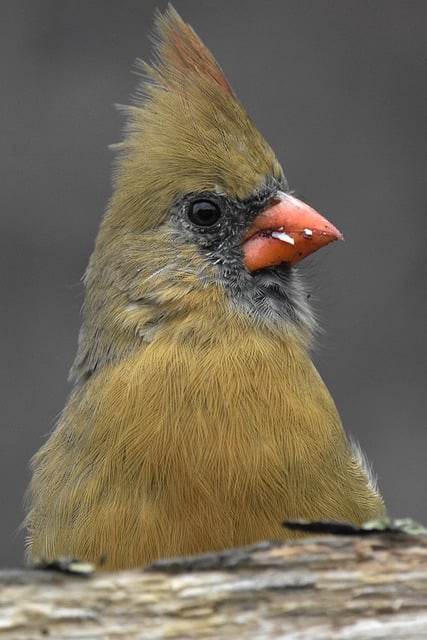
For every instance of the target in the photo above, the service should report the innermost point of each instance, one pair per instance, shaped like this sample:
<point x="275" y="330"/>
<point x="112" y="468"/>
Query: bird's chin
<point x="280" y="274"/>
<point x="282" y="269"/>
<point x="274" y="296"/>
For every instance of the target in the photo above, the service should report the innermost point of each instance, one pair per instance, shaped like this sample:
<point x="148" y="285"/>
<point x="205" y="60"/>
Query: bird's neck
<point x="231" y="371"/>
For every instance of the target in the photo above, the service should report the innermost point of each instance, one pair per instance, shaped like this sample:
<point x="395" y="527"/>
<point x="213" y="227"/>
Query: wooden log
<point x="322" y="588"/>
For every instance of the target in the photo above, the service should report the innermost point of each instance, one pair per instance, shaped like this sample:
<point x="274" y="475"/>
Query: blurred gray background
<point x="338" y="88"/>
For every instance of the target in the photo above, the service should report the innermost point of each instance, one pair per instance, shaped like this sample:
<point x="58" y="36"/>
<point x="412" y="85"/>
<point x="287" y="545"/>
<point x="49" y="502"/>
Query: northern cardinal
<point x="197" y="420"/>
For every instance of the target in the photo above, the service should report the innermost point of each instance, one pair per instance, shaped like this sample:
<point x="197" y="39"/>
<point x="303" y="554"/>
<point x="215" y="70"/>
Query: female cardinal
<point x="197" y="420"/>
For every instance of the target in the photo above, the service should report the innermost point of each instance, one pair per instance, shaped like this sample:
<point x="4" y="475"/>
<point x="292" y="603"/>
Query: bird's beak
<point x="287" y="231"/>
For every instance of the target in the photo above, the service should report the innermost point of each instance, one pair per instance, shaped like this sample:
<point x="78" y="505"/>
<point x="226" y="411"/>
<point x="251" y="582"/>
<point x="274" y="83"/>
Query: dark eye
<point x="204" y="213"/>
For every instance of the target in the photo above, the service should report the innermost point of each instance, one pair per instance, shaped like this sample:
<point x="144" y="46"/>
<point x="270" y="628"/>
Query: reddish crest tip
<point x="179" y="47"/>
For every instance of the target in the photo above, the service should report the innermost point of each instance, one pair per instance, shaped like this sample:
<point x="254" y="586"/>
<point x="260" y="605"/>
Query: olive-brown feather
<point x="195" y="424"/>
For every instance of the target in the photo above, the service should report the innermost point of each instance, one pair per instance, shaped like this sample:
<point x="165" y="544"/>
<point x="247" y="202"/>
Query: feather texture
<point x="177" y="450"/>
<point x="197" y="421"/>
<point x="188" y="132"/>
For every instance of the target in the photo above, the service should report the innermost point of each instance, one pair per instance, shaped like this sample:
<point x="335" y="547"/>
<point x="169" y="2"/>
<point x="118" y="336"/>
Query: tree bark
<point x="325" y="588"/>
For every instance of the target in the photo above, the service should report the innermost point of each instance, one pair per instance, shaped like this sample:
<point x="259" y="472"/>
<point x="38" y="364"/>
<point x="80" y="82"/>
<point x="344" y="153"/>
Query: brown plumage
<point x="197" y="421"/>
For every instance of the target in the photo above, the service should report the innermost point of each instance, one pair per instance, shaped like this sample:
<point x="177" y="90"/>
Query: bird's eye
<point x="204" y="213"/>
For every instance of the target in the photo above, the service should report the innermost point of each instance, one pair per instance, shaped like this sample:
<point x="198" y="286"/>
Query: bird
<point x="197" y="420"/>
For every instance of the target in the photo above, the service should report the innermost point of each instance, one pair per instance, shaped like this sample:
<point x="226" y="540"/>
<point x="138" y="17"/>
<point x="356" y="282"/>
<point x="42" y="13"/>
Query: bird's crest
<point x="186" y="133"/>
<point x="180" y="51"/>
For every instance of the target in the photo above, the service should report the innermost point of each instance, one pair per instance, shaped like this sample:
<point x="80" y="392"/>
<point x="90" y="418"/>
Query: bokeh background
<point x="338" y="88"/>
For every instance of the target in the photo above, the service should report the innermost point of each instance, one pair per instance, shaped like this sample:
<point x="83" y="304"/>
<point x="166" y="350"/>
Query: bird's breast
<point x="216" y="404"/>
<point x="200" y="440"/>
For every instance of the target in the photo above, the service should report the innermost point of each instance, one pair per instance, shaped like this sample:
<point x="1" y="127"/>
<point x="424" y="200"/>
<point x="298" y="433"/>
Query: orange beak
<point x="288" y="231"/>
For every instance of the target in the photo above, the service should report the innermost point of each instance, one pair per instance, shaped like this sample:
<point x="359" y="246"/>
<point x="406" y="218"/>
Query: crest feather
<point x="184" y="52"/>
<point x="186" y="133"/>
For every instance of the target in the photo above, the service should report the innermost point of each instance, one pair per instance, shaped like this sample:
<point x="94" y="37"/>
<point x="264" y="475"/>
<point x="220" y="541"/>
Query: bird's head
<point x="201" y="217"/>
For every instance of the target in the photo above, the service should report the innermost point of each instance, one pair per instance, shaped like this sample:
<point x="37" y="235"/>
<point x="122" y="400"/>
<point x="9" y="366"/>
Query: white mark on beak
<point x="280" y="195"/>
<point x="281" y="235"/>
<point x="308" y="233"/>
